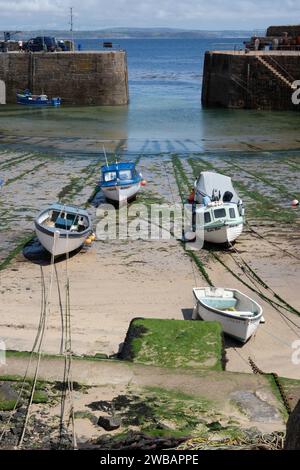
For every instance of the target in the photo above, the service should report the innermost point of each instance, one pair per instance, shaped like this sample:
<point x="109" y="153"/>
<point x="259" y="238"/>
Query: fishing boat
<point x="63" y="228"/>
<point x="120" y="182"/>
<point x="238" y="314"/>
<point x="27" y="98"/>
<point x="219" y="207"/>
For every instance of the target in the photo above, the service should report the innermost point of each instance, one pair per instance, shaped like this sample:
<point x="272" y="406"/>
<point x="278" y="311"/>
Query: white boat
<point x="238" y="314"/>
<point x="220" y="209"/>
<point x="62" y="228"/>
<point x="120" y="182"/>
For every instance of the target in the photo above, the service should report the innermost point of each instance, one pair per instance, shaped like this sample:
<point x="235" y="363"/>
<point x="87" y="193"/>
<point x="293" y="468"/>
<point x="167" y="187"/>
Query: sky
<point x="183" y="14"/>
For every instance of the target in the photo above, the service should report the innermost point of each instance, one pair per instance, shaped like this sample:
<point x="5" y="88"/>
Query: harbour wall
<point x="79" y="78"/>
<point x="253" y="80"/>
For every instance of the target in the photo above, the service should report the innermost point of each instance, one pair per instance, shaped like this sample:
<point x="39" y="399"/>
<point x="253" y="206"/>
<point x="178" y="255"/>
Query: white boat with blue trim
<point x="238" y="314"/>
<point x="63" y="228"/>
<point x="120" y="182"/>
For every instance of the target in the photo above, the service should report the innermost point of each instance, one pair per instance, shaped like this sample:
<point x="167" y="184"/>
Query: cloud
<point x="189" y="14"/>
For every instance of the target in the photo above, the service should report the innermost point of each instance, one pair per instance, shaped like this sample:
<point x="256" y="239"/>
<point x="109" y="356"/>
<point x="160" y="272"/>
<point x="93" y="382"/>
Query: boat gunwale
<point x="234" y="317"/>
<point x="63" y="233"/>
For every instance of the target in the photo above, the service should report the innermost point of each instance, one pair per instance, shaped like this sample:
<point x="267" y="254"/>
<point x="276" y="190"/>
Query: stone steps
<point x="276" y="73"/>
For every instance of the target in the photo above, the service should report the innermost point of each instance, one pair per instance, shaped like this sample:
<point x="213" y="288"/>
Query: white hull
<point x="57" y="245"/>
<point x="240" y="324"/>
<point x="121" y="194"/>
<point x="223" y="234"/>
<point x="241" y="330"/>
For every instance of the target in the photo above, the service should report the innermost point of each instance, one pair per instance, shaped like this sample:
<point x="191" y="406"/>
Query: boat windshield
<point x="125" y="175"/>
<point x="110" y="176"/>
<point x="219" y="213"/>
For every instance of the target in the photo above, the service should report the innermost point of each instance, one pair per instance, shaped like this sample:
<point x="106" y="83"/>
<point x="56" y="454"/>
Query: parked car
<point x="41" y="43"/>
<point x="61" y="45"/>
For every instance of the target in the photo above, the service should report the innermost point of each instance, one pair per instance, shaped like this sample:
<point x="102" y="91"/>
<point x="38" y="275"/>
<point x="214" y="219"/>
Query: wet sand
<point x="112" y="283"/>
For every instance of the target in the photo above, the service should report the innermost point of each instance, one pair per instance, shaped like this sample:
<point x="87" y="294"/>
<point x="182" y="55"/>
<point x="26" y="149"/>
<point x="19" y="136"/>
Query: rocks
<point x="7" y="392"/>
<point x="109" y="423"/>
<point x="255" y="408"/>
<point x="138" y="441"/>
<point x="292" y="440"/>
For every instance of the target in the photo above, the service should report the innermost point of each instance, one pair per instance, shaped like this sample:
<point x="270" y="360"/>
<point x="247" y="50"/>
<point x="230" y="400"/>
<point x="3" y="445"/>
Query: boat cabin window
<point x="232" y="212"/>
<point x="219" y="213"/>
<point x="110" y="176"/>
<point x="125" y="175"/>
<point x="207" y="217"/>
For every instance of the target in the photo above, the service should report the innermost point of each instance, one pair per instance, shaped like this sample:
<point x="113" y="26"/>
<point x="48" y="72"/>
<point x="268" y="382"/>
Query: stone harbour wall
<point x="79" y="78"/>
<point x="240" y="80"/>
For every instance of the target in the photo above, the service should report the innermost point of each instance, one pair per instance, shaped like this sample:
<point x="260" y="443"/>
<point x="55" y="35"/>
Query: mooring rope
<point x="39" y="331"/>
<point x="40" y="345"/>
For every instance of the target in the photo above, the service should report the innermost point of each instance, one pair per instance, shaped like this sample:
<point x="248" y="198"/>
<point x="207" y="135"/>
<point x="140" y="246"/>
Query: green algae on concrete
<point x="174" y="343"/>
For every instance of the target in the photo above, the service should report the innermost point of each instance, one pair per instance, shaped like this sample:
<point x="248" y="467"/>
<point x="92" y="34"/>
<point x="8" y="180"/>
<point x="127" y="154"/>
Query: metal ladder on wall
<point x="277" y="74"/>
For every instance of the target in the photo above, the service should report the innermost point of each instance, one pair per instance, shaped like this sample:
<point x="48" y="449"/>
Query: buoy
<point x="191" y="197"/>
<point x="189" y="236"/>
<point x="92" y="237"/>
<point x="295" y="203"/>
<point x="88" y="241"/>
<point x="143" y="183"/>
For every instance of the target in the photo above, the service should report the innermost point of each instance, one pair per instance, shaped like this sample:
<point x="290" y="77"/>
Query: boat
<point x="238" y="314"/>
<point x="219" y="206"/>
<point x="62" y="228"/>
<point x="27" y="98"/>
<point x="120" y="182"/>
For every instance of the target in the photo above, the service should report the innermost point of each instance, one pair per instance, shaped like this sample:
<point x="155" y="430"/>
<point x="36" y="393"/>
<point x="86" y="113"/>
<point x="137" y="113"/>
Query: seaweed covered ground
<point x="111" y="283"/>
<point x="171" y="343"/>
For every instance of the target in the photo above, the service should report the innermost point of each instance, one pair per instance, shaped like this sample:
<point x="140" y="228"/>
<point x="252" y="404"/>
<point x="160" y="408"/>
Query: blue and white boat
<point x="120" y="182"/>
<point x="63" y="228"/>
<point x="27" y="98"/>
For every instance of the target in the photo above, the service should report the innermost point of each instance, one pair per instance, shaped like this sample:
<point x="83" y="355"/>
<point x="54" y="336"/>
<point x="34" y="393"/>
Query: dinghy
<point x="63" y="228"/>
<point x="27" y="98"/>
<point x="238" y="314"/>
<point x="219" y="207"/>
<point x="120" y="182"/>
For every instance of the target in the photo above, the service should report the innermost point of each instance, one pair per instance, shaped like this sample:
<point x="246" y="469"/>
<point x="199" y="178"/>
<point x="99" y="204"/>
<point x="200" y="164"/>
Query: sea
<point x="164" y="113"/>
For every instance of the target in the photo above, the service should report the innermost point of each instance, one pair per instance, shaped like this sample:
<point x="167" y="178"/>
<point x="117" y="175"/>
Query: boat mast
<point x="71" y="25"/>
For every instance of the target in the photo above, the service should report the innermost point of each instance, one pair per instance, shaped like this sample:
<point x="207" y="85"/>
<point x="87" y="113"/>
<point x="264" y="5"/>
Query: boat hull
<point x="121" y="193"/>
<point x="59" y="244"/>
<point x="238" y="328"/>
<point x="28" y="101"/>
<point x="223" y="234"/>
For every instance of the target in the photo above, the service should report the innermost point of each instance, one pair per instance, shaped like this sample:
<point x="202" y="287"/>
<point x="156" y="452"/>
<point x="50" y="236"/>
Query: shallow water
<point x="164" y="113"/>
<point x="47" y="152"/>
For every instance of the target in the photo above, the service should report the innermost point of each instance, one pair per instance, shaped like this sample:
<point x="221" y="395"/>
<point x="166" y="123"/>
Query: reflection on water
<point x="164" y="113"/>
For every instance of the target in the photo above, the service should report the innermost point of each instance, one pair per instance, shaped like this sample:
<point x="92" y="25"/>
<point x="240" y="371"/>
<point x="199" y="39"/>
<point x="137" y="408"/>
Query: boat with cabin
<point x="63" y="228"/>
<point x="218" y="206"/>
<point x="27" y="98"/>
<point x="120" y="181"/>
<point x="238" y="314"/>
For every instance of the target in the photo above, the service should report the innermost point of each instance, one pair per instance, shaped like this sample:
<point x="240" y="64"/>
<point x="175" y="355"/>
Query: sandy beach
<point x="113" y="282"/>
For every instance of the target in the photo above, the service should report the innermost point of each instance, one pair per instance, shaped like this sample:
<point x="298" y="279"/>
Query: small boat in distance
<point x="219" y="207"/>
<point x="63" y="228"/>
<point x="120" y="182"/>
<point x="27" y="98"/>
<point x="238" y="314"/>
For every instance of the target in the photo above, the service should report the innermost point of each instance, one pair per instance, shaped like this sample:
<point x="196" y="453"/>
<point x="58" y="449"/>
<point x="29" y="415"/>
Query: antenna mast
<point x="71" y="19"/>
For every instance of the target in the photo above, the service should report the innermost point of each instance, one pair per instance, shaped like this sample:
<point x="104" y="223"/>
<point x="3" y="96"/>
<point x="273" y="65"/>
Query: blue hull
<point x="30" y="100"/>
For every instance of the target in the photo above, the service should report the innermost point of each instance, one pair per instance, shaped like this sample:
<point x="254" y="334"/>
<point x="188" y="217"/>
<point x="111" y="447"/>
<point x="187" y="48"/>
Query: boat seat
<point x="220" y="304"/>
<point x="63" y="223"/>
<point x="240" y="314"/>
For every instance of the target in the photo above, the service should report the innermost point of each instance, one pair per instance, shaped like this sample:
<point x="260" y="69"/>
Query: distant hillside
<point x="138" y="33"/>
